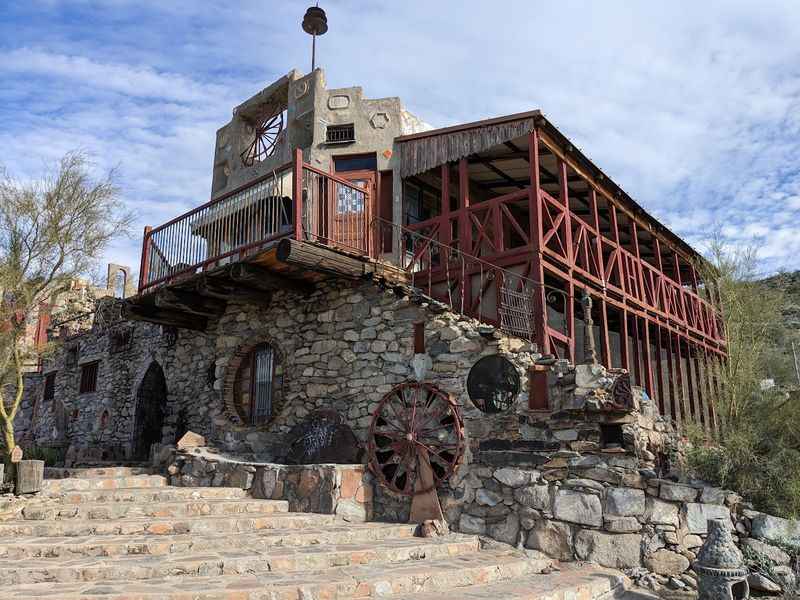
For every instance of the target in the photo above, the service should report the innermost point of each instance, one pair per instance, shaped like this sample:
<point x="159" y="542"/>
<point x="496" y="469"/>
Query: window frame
<point x="88" y="380"/>
<point x="49" y="391"/>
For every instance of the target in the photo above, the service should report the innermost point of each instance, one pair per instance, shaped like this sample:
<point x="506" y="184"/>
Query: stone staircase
<point x="119" y="533"/>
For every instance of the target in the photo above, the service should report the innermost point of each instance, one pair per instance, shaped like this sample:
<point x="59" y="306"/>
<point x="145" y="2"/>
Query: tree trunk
<point x="8" y="435"/>
<point x="30" y="474"/>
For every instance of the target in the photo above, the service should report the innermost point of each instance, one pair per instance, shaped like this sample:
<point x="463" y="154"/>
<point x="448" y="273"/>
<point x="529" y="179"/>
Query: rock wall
<point x="343" y="490"/>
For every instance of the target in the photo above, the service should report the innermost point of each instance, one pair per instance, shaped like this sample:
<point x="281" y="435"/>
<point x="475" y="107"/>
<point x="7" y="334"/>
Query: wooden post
<point x="671" y="379"/>
<point x="297" y="184"/>
<point x="30" y="474"/>
<point x="648" y="371"/>
<point x="623" y="346"/>
<point x="606" y="343"/>
<point x="538" y="389"/>
<point x="445" y="231"/>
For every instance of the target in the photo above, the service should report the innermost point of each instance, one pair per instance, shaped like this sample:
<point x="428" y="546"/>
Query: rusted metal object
<point x="323" y="437"/>
<point x="493" y="384"/>
<point x="415" y="422"/>
<point x="622" y="392"/>
<point x="266" y="131"/>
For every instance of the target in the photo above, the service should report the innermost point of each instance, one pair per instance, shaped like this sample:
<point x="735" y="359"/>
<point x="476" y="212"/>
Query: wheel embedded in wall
<point x="413" y="423"/>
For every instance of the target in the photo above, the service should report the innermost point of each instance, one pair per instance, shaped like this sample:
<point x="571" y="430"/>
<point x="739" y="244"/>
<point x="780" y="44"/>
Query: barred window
<point x="340" y="134"/>
<point x="89" y="377"/>
<point x="258" y="385"/>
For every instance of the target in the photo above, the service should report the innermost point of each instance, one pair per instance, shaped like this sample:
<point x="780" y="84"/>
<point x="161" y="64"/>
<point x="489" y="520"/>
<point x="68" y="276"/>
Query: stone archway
<point x="151" y="402"/>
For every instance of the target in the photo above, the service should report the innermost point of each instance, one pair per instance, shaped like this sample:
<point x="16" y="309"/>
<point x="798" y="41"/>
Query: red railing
<point x="294" y="200"/>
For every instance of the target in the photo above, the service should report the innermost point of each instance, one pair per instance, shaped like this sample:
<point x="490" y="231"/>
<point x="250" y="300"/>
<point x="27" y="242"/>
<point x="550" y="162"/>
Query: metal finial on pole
<point x="315" y="23"/>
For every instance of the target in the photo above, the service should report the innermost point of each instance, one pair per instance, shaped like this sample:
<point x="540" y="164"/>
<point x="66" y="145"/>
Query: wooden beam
<point x="163" y="316"/>
<point x="314" y="257"/>
<point x="265" y="280"/>
<point x="193" y="304"/>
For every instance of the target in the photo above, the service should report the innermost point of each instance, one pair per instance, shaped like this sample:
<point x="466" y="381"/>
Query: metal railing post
<point x="145" y="264"/>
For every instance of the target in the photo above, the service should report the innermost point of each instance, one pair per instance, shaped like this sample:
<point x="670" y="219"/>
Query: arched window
<point x="258" y="385"/>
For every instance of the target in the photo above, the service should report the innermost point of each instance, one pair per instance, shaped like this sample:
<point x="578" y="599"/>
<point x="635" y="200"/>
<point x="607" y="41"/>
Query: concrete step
<point x="158" y="494"/>
<point x="255" y="542"/>
<point x="55" y="511"/>
<point x="373" y="580"/>
<point x="571" y="582"/>
<point x="162" y="525"/>
<point x="281" y="560"/>
<point x="95" y="472"/>
<point x="52" y="487"/>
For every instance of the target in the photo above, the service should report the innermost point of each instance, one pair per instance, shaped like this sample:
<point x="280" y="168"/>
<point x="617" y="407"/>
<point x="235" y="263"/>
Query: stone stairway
<point x="119" y="533"/>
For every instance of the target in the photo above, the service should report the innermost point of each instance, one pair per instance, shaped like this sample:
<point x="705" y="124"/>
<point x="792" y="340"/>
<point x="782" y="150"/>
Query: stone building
<point x="480" y="305"/>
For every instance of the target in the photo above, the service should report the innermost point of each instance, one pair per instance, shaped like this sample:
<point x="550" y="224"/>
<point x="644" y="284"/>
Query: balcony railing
<point x="294" y="200"/>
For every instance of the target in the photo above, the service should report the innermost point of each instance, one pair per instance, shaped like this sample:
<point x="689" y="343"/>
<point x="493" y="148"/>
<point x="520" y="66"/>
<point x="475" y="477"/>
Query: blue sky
<point x="693" y="108"/>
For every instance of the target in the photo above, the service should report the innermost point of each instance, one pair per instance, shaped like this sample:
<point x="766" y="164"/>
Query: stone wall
<point x="343" y="490"/>
<point x="343" y="347"/>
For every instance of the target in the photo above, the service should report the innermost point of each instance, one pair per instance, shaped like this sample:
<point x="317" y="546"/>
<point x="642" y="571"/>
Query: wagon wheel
<point x="413" y="420"/>
<point x="265" y="138"/>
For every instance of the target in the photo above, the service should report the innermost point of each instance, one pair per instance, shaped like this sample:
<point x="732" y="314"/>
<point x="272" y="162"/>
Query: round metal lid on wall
<point x="493" y="384"/>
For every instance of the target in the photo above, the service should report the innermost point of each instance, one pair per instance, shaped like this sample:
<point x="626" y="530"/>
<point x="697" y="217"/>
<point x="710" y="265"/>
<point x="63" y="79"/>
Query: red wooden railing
<point x="295" y="199"/>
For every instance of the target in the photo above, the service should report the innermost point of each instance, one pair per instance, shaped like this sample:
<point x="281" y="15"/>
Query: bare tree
<point x="51" y="231"/>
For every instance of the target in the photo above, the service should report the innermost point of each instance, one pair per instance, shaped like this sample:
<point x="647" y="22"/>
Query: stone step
<point x="571" y="582"/>
<point x="374" y="580"/>
<point x="55" y="511"/>
<point x="59" y="486"/>
<point x="281" y="560"/>
<point x="162" y="525"/>
<point x="95" y="472"/>
<point x="259" y="541"/>
<point x="159" y="494"/>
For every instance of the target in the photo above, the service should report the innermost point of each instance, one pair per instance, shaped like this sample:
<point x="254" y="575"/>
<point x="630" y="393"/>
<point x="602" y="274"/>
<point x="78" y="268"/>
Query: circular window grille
<point x="493" y="384"/>
<point x="266" y="131"/>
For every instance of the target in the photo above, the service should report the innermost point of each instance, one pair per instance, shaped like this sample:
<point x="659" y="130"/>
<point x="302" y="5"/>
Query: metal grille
<point x="89" y="377"/>
<point x="263" y="372"/>
<point x="340" y="134"/>
<point x="516" y="311"/>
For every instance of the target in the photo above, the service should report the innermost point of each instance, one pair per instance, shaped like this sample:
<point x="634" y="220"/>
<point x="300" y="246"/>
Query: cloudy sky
<point x="692" y="107"/>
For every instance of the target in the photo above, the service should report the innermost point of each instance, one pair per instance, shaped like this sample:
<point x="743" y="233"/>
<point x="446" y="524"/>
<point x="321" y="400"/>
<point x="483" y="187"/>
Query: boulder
<point x="621" y="524"/>
<point x="785" y="577"/>
<point x="667" y="563"/>
<point x="659" y="512"/>
<point x="576" y="507"/>
<point x="677" y="492"/>
<point x="692" y="541"/>
<point x="774" y="529"/>
<point x="776" y="555"/>
<point x="697" y="516"/>
<point x="616" y="551"/>
<point x="470" y="524"/>
<point x="515" y="477"/>
<point x="552" y="538"/>
<point x="534" y="496"/>
<point x="625" y="502"/>
<point x="713" y="495"/>
<point x="506" y="530"/>
<point x="761" y="583"/>
<point x="486" y="497"/>
<point x="191" y="440"/>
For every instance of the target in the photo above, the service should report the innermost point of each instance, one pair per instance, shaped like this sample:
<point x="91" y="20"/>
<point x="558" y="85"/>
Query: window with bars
<point x="340" y="134"/>
<point x="49" y="386"/>
<point x="89" y="377"/>
<point x="258" y="385"/>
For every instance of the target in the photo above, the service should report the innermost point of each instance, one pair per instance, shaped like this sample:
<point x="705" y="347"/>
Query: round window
<point x="493" y="384"/>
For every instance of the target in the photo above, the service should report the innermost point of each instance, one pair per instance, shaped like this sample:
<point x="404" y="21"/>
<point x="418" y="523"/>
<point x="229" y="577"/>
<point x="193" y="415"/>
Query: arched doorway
<point x="151" y="399"/>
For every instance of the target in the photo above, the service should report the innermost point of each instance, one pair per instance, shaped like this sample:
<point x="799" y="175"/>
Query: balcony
<point x="296" y="201"/>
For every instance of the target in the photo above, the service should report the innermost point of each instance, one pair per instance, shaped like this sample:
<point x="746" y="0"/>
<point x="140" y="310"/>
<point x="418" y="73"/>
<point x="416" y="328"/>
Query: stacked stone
<point x="343" y="490"/>
<point x="601" y="508"/>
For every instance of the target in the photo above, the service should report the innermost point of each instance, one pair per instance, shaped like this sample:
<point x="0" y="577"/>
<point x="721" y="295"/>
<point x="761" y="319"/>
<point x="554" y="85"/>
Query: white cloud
<point x="694" y="109"/>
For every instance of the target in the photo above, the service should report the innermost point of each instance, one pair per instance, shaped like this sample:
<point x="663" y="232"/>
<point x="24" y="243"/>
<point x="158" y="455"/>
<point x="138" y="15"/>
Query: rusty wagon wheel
<point x="415" y="422"/>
